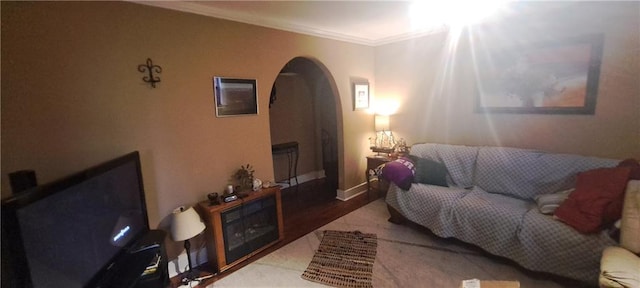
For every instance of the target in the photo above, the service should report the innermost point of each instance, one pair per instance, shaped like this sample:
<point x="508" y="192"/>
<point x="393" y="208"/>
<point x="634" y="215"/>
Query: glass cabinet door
<point x="249" y="227"/>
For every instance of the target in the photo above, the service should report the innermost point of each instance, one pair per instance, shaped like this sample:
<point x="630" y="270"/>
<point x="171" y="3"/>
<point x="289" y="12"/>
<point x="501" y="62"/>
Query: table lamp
<point x="185" y="225"/>
<point x="381" y="122"/>
<point x="384" y="141"/>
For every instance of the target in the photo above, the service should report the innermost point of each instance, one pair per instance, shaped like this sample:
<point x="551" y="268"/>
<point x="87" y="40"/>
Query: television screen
<point x="70" y="231"/>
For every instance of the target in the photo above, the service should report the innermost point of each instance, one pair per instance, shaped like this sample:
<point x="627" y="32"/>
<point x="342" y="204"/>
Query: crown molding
<point x="205" y="10"/>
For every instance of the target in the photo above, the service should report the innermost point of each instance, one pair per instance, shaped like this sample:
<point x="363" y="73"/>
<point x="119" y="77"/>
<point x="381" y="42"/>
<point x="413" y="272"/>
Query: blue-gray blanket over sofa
<point x="490" y="202"/>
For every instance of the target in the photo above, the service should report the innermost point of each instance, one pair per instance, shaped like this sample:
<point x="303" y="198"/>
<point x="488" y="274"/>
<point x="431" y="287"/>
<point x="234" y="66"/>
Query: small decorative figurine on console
<point x="213" y="199"/>
<point x="257" y="184"/>
<point x="244" y="178"/>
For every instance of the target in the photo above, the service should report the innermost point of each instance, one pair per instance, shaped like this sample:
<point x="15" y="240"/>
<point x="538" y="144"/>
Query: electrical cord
<point x="195" y="282"/>
<point x="189" y="283"/>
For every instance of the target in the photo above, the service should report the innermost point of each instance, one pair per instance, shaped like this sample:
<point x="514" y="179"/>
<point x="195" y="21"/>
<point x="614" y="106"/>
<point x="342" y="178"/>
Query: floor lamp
<point x="186" y="224"/>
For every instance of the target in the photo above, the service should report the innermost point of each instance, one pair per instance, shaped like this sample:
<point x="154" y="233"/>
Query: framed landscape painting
<point x="550" y="78"/>
<point x="235" y="97"/>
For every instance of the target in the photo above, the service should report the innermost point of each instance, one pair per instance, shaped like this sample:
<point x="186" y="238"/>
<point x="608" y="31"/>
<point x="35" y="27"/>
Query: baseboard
<point x="180" y="264"/>
<point x="313" y="175"/>
<point x="345" y="195"/>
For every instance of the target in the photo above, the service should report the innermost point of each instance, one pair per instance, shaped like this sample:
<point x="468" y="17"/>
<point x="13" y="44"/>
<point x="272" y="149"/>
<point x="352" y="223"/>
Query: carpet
<point x="406" y="258"/>
<point x="344" y="259"/>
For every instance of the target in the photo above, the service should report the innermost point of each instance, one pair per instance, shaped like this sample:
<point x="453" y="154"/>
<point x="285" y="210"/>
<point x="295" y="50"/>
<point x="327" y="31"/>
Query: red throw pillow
<point x="634" y="165"/>
<point x="613" y="212"/>
<point x="594" y="203"/>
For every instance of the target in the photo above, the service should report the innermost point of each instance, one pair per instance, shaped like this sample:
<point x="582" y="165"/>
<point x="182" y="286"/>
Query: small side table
<point x="291" y="150"/>
<point x="372" y="163"/>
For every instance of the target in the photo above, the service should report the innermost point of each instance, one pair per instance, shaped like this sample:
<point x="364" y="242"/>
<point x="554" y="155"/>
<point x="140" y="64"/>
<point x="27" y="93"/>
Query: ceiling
<point x="363" y="22"/>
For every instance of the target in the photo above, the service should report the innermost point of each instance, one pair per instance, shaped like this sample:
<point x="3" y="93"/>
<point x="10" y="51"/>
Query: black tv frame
<point x="15" y="268"/>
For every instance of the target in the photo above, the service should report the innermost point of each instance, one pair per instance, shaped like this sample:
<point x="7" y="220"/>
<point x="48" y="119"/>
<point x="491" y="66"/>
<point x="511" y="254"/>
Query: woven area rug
<point x="344" y="259"/>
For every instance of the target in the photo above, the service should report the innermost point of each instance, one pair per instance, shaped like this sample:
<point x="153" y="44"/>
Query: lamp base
<point x="194" y="277"/>
<point x="189" y="275"/>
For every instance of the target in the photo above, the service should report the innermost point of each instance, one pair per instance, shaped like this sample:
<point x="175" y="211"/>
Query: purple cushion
<point x="400" y="172"/>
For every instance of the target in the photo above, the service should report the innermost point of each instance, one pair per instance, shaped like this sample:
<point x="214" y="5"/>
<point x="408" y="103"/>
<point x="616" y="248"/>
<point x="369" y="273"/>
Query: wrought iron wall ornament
<point x="150" y="68"/>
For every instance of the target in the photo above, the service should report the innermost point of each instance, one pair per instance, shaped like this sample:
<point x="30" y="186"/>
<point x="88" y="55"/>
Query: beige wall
<point x="72" y="96"/>
<point x="433" y="79"/>
<point x="292" y="118"/>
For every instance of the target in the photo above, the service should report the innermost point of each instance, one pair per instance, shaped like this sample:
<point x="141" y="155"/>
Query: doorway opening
<point x="303" y="116"/>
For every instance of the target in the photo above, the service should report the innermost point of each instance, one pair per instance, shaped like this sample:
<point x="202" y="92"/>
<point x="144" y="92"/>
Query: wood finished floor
<point x="304" y="209"/>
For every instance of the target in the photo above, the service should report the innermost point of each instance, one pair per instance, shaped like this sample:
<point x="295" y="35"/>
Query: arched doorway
<point x="303" y="109"/>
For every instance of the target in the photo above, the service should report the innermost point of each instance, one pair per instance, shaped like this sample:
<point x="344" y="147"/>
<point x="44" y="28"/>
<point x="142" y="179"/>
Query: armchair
<point x="620" y="265"/>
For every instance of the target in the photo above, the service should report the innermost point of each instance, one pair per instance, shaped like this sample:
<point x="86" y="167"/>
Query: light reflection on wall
<point x="386" y="106"/>
<point x="434" y="14"/>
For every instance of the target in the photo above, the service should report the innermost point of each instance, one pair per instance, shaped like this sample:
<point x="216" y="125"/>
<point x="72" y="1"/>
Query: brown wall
<point x="433" y="79"/>
<point x="72" y="96"/>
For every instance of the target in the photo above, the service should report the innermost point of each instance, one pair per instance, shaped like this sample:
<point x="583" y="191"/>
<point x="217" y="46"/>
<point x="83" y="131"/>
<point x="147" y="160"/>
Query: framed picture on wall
<point x="557" y="77"/>
<point x="235" y="97"/>
<point x="360" y="95"/>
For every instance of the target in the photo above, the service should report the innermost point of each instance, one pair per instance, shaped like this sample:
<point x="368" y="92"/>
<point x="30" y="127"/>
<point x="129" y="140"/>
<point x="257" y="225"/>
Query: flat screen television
<point x="70" y="232"/>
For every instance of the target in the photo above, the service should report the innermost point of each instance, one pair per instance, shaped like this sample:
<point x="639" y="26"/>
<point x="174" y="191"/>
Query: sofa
<point x="489" y="200"/>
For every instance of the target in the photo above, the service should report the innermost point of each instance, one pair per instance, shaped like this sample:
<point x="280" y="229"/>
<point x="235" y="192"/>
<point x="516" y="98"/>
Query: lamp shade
<point x="381" y="122"/>
<point x="186" y="223"/>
